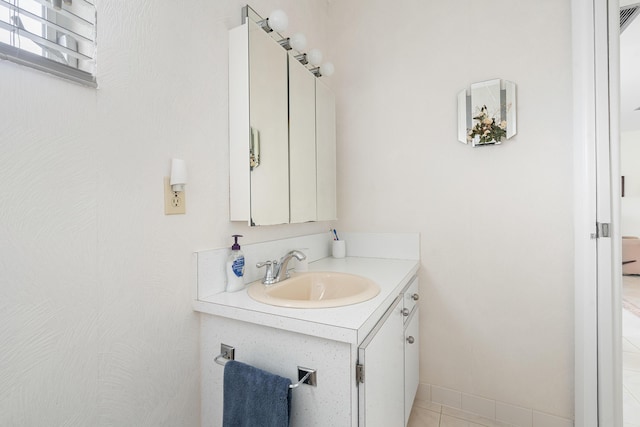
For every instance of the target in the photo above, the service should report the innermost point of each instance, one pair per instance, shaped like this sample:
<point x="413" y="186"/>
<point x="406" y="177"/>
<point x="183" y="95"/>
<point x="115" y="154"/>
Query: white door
<point x="608" y="202"/>
<point x="598" y="380"/>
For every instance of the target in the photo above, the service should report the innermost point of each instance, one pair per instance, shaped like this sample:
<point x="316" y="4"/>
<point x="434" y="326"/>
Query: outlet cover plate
<point x="174" y="202"/>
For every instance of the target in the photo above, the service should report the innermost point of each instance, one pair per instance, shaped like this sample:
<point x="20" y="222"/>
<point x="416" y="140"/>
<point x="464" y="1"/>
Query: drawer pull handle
<point x="415" y="297"/>
<point x="410" y="339"/>
<point x="405" y="312"/>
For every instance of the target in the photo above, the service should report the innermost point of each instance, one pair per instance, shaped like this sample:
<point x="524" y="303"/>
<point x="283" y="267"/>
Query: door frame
<point x="597" y="265"/>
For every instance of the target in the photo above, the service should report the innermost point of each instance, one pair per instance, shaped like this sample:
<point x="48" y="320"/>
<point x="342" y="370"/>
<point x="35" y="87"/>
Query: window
<point x="57" y="36"/>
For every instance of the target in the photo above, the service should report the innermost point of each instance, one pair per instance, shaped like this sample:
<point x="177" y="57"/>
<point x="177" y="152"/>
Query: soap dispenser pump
<point x="235" y="267"/>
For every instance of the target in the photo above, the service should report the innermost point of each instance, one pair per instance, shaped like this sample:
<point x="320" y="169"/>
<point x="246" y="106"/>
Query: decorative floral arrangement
<point x="487" y="130"/>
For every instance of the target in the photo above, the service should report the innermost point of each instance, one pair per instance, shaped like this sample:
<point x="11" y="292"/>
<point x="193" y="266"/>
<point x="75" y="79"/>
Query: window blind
<point x="56" y="36"/>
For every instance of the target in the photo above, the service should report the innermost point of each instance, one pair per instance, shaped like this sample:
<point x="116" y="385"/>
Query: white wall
<point x="496" y="222"/>
<point x="630" y="169"/>
<point x="96" y="325"/>
<point x="95" y="318"/>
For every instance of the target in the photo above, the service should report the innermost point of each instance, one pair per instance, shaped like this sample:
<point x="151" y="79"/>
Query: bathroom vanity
<point x="365" y="355"/>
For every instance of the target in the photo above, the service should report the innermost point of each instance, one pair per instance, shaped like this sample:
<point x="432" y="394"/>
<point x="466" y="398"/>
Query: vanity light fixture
<point x="326" y="69"/>
<point x="277" y="21"/>
<point x="298" y="42"/>
<point x="302" y="58"/>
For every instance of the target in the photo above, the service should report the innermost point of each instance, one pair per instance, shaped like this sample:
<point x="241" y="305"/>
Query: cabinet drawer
<point x="410" y="298"/>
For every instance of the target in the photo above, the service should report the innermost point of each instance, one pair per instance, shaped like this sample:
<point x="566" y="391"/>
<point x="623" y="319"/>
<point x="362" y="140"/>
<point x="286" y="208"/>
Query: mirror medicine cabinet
<point x="281" y="132"/>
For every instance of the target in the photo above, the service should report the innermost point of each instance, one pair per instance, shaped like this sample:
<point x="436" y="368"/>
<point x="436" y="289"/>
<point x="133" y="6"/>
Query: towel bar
<point x="305" y="375"/>
<point x="223" y="356"/>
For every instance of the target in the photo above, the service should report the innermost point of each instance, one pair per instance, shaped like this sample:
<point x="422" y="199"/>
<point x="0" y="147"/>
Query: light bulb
<point x="278" y="20"/>
<point x="298" y="41"/>
<point x="327" y="69"/>
<point x="314" y="56"/>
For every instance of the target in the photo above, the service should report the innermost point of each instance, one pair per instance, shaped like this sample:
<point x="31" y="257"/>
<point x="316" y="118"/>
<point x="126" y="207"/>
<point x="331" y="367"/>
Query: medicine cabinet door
<point x="302" y="142"/>
<point x="269" y="137"/>
<point x="326" y="152"/>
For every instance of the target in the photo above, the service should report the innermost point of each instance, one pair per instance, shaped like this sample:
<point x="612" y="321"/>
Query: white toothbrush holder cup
<point x="339" y="249"/>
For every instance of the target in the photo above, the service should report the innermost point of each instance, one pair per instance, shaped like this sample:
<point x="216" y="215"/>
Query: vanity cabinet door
<point x="381" y="395"/>
<point x="411" y="362"/>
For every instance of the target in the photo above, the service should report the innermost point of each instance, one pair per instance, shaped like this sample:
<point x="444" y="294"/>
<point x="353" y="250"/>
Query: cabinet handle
<point x="410" y="339"/>
<point x="405" y="312"/>
<point x="415" y="297"/>
<point x="254" y="149"/>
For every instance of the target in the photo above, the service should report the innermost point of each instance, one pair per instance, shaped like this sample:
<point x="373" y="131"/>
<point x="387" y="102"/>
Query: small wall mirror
<point x="487" y="113"/>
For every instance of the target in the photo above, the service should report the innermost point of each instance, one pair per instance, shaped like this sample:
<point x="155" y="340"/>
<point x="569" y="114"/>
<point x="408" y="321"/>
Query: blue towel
<point x="253" y="397"/>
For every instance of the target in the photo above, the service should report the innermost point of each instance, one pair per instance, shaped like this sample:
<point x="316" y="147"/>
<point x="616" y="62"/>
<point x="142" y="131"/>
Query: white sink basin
<point x="316" y="290"/>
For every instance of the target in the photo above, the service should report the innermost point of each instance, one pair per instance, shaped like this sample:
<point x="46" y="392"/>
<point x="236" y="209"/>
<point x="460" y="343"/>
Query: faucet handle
<point x="264" y="263"/>
<point x="268" y="274"/>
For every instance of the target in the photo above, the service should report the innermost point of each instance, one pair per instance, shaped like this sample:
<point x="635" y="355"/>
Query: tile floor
<point x="425" y="414"/>
<point x="631" y="354"/>
<point x="631" y="369"/>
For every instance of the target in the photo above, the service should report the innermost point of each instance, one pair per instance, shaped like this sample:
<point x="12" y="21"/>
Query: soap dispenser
<point x="235" y="267"/>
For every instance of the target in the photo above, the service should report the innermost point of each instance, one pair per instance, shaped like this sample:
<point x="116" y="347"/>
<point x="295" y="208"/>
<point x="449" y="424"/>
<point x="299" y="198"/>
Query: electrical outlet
<point x="174" y="201"/>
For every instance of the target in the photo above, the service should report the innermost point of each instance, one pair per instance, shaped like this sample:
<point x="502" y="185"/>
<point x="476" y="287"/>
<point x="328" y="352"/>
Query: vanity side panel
<point x="279" y="352"/>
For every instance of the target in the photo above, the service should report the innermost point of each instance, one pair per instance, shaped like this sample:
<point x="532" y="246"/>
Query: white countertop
<point x="350" y="323"/>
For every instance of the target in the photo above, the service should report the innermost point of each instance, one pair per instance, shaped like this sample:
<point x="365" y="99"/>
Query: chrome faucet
<point x="276" y="271"/>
